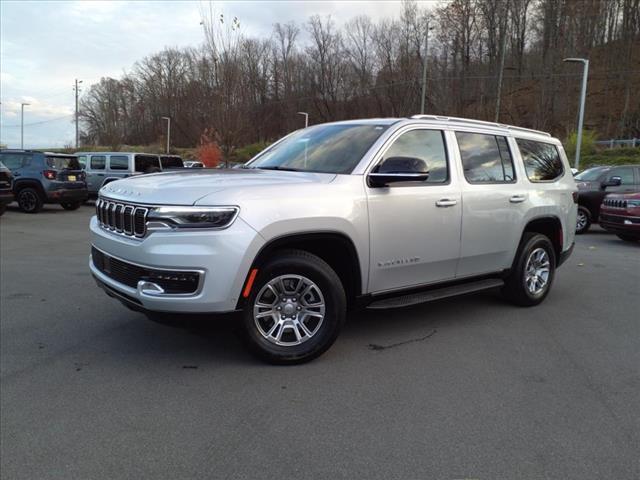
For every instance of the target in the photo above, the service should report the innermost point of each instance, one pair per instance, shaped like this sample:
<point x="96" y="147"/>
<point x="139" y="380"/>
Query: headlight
<point x="193" y="217"/>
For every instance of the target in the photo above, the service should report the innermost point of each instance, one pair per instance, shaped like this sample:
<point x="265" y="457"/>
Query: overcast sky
<point x="44" y="46"/>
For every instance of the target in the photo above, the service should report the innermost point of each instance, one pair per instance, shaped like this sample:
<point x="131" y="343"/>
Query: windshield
<point x="323" y="149"/>
<point x="63" y="163"/>
<point x="591" y="175"/>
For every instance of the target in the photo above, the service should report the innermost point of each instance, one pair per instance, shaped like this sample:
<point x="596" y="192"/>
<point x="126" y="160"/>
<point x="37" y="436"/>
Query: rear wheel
<point x="627" y="238"/>
<point x="71" y="205"/>
<point x="583" y="220"/>
<point x="532" y="273"/>
<point x="29" y="200"/>
<point x="295" y="310"/>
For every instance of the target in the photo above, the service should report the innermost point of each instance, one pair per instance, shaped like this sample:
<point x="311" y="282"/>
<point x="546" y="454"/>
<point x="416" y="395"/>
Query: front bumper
<point x="6" y="196"/>
<point x="67" y="195"/>
<point x="616" y="223"/>
<point x="222" y="256"/>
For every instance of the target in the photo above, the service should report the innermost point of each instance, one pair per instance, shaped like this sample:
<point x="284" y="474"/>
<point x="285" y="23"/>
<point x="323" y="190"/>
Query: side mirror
<point x="398" y="169"/>
<point x="612" y="182"/>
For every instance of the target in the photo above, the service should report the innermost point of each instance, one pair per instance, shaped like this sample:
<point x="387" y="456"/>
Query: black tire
<point x="583" y="220"/>
<point x="515" y="289"/>
<point x="627" y="238"/>
<point x="29" y="200"/>
<point x="71" y="205"/>
<point x="321" y="283"/>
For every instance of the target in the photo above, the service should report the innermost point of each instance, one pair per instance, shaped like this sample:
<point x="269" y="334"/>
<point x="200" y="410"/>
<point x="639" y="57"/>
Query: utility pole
<point x="168" y="119"/>
<point x="424" y="66"/>
<point x="583" y="98"/>
<point x="77" y="90"/>
<point x="22" y="105"/>
<point x="503" y="50"/>
<point x="306" y="118"/>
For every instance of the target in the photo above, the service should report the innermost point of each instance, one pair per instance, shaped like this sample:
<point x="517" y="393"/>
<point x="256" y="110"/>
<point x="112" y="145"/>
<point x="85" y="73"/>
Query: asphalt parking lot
<point x="463" y="388"/>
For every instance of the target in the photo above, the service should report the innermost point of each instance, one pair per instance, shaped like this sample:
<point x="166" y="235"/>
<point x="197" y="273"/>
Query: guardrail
<point x="633" y="142"/>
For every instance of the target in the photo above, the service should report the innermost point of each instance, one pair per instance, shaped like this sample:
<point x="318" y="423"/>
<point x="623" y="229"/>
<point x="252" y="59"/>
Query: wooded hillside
<point x="249" y="89"/>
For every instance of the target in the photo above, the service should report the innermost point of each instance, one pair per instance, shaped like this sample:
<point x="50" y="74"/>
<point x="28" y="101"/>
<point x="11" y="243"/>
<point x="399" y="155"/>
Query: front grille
<point x="614" y="203"/>
<point x="171" y="281"/>
<point x="118" y="217"/>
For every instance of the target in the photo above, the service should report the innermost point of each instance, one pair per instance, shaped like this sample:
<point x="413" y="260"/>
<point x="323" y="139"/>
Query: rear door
<point x="415" y="226"/>
<point x="119" y="166"/>
<point x="95" y="170"/>
<point x="494" y="203"/>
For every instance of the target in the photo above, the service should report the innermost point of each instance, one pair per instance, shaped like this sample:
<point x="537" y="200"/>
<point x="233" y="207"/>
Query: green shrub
<point x="588" y="144"/>
<point x="246" y="153"/>
<point x="600" y="159"/>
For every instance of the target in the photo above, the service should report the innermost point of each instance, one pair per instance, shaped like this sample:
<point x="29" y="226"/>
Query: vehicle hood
<point x="190" y="185"/>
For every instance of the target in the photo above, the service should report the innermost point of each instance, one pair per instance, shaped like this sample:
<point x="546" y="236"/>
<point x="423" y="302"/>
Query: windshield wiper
<point x="276" y="167"/>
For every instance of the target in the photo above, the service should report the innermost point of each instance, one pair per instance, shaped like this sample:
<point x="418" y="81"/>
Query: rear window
<point x="485" y="158"/>
<point x="63" y="163"/>
<point x="171" y="162"/>
<point x="119" y="162"/>
<point x="147" y="163"/>
<point x="541" y="160"/>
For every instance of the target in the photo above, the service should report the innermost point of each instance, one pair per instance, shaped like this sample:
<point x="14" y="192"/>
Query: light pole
<point x="77" y="91"/>
<point x="168" y="119"/>
<point x="583" y="98"/>
<point x="424" y="67"/>
<point x="22" y="105"/>
<point x="306" y="118"/>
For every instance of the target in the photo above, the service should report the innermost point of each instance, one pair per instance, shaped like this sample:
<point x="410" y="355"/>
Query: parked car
<point x="620" y="214"/>
<point x="105" y="167"/>
<point x="45" y="177"/>
<point x="597" y="182"/>
<point x="171" y="162"/>
<point x="384" y="213"/>
<point x="6" y="183"/>
<point x="193" y="164"/>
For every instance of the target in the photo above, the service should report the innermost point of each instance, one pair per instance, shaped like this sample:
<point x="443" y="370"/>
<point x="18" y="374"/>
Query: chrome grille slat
<point x="122" y="218"/>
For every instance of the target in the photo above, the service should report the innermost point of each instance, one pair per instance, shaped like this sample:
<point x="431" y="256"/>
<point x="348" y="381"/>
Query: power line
<point x="39" y="123"/>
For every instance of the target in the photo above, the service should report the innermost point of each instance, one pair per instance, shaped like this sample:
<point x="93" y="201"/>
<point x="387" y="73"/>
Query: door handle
<point x="446" y="202"/>
<point x="517" y="198"/>
<point x="16" y="174"/>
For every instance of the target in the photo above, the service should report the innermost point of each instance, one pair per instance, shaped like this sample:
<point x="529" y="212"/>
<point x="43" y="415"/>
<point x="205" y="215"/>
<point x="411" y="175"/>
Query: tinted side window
<point x="626" y="174"/>
<point x="171" y="162"/>
<point x="146" y="163"/>
<point x="119" y="162"/>
<point x="485" y="158"/>
<point x="13" y="160"/>
<point x="98" y="162"/>
<point x="425" y="145"/>
<point x="541" y="160"/>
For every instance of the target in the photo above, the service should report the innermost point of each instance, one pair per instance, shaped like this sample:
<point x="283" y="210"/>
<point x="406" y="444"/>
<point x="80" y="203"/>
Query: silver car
<point x="379" y="213"/>
<point x="102" y="168"/>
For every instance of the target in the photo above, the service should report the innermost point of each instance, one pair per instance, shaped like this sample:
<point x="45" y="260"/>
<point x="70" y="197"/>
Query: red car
<point x="620" y="214"/>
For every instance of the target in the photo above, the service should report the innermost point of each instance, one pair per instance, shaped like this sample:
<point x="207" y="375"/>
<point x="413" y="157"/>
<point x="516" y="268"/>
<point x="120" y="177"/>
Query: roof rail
<point x="469" y="121"/>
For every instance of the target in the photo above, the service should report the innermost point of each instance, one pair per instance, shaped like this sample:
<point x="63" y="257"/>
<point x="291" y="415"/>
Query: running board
<point x="435" y="294"/>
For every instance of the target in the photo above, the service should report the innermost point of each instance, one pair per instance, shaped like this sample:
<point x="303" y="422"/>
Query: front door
<point x="95" y="170"/>
<point x="415" y="227"/>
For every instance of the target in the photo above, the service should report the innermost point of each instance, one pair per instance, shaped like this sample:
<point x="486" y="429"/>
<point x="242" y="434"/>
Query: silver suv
<point x="381" y="213"/>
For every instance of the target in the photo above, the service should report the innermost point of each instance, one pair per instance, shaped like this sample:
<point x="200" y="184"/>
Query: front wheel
<point x="71" y="205"/>
<point x="295" y="309"/>
<point x="533" y="270"/>
<point x="583" y="220"/>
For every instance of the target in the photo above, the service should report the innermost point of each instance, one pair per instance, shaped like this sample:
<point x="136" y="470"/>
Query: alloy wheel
<point x="537" y="271"/>
<point x="289" y="310"/>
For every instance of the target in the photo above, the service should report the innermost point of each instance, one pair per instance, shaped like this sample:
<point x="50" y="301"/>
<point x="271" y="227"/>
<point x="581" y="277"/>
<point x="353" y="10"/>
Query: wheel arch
<point x="335" y="248"/>
<point x="551" y="227"/>
<point x="27" y="183"/>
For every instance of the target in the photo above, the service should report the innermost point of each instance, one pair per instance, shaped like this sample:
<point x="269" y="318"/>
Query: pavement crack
<point x="376" y="347"/>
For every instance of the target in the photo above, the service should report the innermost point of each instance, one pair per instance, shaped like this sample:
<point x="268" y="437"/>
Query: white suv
<point x="380" y="213"/>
